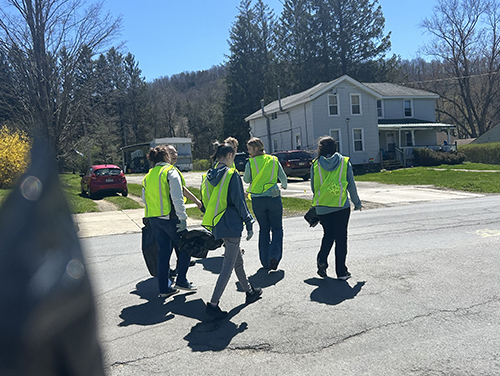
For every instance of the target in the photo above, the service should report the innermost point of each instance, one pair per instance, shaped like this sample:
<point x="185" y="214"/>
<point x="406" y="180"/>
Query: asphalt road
<point x="423" y="300"/>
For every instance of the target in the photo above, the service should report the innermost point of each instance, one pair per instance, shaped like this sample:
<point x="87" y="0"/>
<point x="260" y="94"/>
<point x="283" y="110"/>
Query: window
<point x="297" y="142"/>
<point x="335" y="133"/>
<point x="408" y="107"/>
<point x="409" y="139"/>
<point x="333" y="104"/>
<point x="275" y="145"/>
<point x="355" y="104"/>
<point x="274" y="116"/>
<point x="358" y="139"/>
<point x="380" y="109"/>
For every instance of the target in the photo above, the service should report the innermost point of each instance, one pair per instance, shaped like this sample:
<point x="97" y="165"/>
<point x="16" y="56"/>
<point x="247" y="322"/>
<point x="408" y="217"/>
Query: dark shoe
<point x="167" y="294"/>
<point x="322" y="270"/>
<point x="254" y="295"/>
<point x="345" y="277"/>
<point x="188" y="286"/>
<point x="215" y="311"/>
<point x="173" y="272"/>
<point x="273" y="264"/>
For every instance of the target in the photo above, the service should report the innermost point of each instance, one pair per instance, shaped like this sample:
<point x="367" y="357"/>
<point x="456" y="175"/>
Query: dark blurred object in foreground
<point x="47" y="314"/>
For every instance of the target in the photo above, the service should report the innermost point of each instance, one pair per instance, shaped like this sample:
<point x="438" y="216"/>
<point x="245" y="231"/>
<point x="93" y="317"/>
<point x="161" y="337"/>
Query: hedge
<point x="482" y="153"/>
<point x="428" y="157"/>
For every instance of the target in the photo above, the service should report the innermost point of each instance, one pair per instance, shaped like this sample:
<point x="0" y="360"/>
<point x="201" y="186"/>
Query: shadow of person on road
<point x="157" y="310"/>
<point x="333" y="291"/>
<point x="212" y="264"/>
<point x="264" y="278"/>
<point x="215" y="335"/>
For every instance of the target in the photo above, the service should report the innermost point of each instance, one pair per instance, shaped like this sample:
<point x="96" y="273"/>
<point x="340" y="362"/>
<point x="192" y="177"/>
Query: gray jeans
<point x="232" y="260"/>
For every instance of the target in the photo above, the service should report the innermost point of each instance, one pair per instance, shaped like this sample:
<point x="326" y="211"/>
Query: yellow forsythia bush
<point x="14" y="156"/>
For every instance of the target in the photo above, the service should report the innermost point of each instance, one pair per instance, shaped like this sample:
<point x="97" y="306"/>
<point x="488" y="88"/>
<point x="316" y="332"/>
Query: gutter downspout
<point x="268" y="123"/>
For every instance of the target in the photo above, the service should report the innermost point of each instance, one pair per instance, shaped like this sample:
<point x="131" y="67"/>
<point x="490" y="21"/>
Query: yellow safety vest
<point x="157" y="191"/>
<point x="215" y="199"/>
<point x="330" y="187"/>
<point x="264" y="170"/>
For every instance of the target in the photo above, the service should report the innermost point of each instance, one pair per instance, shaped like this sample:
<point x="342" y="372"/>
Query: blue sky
<point x="173" y="36"/>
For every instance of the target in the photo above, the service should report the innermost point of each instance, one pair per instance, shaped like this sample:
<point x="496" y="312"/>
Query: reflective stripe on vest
<point x="157" y="192"/>
<point x="330" y="187"/>
<point x="264" y="170"/>
<point x="215" y="199"/>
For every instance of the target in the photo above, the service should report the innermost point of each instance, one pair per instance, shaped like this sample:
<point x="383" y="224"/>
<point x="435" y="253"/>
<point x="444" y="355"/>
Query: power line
<point x="450" y="78"/>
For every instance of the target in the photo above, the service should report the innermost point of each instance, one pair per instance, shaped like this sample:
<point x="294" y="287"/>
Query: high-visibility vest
<point x="157" y="191"/>
<point x="215" y="199"/>
<point x="330" y="187"/>
<point x="264" y="170"/>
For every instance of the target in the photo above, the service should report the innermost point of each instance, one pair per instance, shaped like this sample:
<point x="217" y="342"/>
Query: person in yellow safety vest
<point x="226" y="212"/>
<point x="331" y="179"/>
<point x="162" y="194"/>
<point x="262" y="172"/>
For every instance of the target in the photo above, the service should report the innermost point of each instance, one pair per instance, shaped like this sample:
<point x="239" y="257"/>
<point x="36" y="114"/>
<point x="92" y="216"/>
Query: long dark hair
<point x="326" y="146"/>
<point x="158" y="154"/>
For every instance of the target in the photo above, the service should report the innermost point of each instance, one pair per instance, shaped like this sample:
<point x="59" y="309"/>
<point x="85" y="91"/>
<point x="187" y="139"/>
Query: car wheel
<point x="91" y="194"/>
<point x="125" y="193"/>
<point x="306" y="177"/>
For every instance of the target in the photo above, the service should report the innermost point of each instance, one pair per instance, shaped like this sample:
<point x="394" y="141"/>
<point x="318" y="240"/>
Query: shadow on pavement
<point x="215" y="335"/>
<point x="157" y="310"/>
<point x="333" y="291"/>
<point x="212" y="264"/>
<point x="264" y="278"/>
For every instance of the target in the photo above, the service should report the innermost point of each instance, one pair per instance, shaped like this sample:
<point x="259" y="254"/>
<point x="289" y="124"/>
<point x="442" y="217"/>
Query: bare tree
<point x="44" y="41"/>
<point x="466" y="46"/>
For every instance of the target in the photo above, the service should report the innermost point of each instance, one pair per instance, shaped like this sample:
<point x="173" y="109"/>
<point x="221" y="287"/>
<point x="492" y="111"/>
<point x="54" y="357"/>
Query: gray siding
<point x="423" y="109"/>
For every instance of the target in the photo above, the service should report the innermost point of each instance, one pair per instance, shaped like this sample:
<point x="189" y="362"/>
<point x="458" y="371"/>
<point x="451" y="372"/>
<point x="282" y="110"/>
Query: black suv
<point x="240" y="161"/>
<point x="296" y="163"/>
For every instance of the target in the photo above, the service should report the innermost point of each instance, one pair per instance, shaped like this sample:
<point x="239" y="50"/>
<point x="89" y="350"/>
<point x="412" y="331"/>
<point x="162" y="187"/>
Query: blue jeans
<point x="269" y="213"/>
<point x="166" y="235"/>
<point x="335" y="230"/>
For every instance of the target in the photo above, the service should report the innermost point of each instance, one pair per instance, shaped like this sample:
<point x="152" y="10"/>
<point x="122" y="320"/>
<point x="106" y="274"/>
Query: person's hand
<point x="181" y="226"/>
<point x="249" y="234"/>
<point x="199" y="204"/>
<point x="358" y="208"/>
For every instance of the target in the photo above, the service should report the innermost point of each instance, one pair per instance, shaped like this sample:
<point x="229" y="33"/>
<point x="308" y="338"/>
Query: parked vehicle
<point x="240" y="161"/>
<point x="104" y="179"/>
<point x="295" y="163"/>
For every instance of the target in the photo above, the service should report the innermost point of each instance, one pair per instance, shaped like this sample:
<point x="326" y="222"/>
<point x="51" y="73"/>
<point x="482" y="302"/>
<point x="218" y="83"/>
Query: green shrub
<point x="482" y="153"/>
<point x="201" y="164"/>
<point x="428" y="157"/>
<point x="14" y="156"/>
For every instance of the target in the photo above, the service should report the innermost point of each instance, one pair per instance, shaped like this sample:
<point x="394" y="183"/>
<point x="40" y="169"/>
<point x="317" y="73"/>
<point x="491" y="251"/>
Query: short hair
<point x="257" y="143"/>
<point x="326" y="146"/>
<point x="233" y="142"/>
<point x="158" y="154"/>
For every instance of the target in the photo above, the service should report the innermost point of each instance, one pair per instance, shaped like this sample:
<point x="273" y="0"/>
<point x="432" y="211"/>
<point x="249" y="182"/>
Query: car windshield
<point x="107" y="172"/>
<point x="299" y="155"/>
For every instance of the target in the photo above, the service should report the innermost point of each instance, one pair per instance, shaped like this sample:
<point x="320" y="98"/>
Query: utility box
<point x="184" y="151"/>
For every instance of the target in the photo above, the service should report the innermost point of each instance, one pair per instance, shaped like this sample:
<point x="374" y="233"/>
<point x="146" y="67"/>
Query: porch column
<point x="412" y="138"/>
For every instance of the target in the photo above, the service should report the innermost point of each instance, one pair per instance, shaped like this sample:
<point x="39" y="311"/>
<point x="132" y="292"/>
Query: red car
<point x="104" y="179"/>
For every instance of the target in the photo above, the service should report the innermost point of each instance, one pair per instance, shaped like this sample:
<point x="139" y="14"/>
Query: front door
<point x="391" y="142"/>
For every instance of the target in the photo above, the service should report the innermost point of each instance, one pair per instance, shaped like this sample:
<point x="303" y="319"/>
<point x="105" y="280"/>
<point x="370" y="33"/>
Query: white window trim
<point x="275" y="142"/>
<point x="339" y="141"/>
<point x="297" y="137"/>
<point x="360" y="104"/>
<point x="411" y="107"/>
<point x="362" y="140"/>
<point x="382" y="108"/>
<point x="328" y="105"/>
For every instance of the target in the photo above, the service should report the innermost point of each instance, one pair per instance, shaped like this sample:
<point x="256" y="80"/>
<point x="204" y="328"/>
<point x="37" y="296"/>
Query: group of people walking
<point x="226" y="213"/>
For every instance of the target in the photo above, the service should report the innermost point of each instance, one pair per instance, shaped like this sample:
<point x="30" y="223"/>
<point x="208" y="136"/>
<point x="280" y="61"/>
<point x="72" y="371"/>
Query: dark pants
<point x="269" y="214"/>
<point x="166" y="235"/>
<point x="335" y="230"/>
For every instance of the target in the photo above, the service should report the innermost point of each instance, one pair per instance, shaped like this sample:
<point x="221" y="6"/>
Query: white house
<point x="371" y="121"/>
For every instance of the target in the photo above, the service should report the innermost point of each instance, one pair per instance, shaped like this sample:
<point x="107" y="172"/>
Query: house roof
<point x="388" y="90"/>
<point x="493" y="135"/>
<point x="378" y="90"/>
<point x="427" y="125"/>
<point x="307" y="96"/>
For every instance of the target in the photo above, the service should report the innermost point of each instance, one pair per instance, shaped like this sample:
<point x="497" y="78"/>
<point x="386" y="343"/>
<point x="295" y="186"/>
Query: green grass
<point x="123" y="203"/>
<point x="468" y="166"/>
<point x="77" y="203"/>
<point x="470" y="181"/>
<point x="135" y="189"/>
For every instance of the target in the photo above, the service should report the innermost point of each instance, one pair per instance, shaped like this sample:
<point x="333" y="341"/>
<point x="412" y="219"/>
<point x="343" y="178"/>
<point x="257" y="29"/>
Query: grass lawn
<point x="470" y="181"/>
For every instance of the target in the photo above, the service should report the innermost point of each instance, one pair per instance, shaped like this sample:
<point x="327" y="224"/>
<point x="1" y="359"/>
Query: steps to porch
<point x="391" y="164"/>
